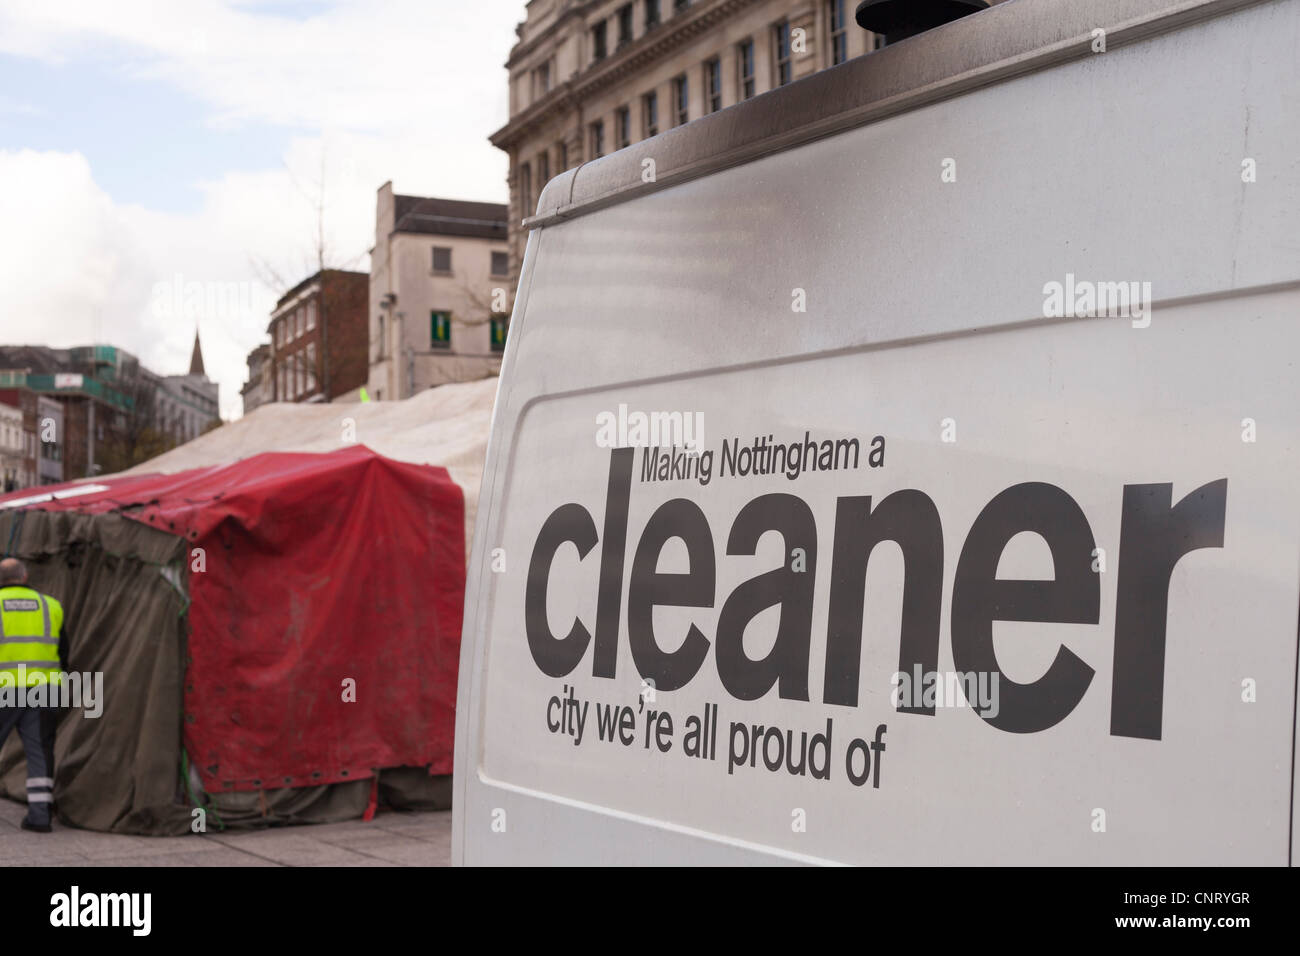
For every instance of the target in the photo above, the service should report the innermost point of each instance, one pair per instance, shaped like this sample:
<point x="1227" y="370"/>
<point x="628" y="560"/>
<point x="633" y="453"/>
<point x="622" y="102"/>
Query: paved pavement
<point x="391" y="839"/>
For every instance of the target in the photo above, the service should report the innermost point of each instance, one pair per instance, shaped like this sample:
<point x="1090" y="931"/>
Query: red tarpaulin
<point x="313" y="579"/>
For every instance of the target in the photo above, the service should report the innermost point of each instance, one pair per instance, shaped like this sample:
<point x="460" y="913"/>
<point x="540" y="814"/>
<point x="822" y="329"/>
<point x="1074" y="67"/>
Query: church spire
<point x="196" y="360"/>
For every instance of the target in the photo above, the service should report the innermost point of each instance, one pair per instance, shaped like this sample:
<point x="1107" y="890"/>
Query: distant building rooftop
<point x="38" y="359"/>
<point x="315" y="277"/>
<point x="449" y="217"/>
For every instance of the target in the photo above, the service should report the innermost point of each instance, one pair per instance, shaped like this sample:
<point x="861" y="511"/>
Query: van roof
<point x="1002" y="42"/>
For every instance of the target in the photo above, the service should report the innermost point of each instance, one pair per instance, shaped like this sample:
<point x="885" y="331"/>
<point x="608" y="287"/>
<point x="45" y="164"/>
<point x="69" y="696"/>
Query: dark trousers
<point x="40" y="776"/>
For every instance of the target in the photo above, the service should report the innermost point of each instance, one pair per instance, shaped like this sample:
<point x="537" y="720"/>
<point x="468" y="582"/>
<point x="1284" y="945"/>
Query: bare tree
<point x="319" y="260"/>
<point x="482" y="306"/>
<point x="136" y="433"/>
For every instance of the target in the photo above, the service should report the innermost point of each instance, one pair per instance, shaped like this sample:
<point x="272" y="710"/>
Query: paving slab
<point x="405" y="853"/>
<point x="21" y="848"/>
<point x="390" y="839"/>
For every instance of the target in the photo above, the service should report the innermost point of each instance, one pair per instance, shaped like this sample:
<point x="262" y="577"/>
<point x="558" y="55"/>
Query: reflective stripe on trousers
<point x="39" y="782"/>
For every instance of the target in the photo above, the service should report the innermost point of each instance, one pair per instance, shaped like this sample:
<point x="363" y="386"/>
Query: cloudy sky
<point x="148" y="145"/>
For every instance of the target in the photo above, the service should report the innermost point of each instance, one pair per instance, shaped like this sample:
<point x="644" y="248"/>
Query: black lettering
<point x="683" y="519"/>
<point x="979" y="599"/>
<point x="910" y="519"/>
<point x="556" y="657"/>
<point x="605" y="718"/>
<point x="787" y="663"/>
<point x="610" y="596"/>
<point x="1152" y="538"/>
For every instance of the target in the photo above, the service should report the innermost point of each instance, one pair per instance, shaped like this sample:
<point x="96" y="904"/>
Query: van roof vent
<point x="900" y="19"/>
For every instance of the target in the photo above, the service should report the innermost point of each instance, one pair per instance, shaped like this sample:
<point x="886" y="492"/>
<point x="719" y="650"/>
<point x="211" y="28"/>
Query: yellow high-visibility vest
<point x="29" y="636"/>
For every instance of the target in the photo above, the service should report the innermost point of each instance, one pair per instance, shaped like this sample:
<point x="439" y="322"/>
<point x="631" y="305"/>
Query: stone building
<point x="36" y="458"/>
<point x="185" y="405"/>
<point x="46" y="441"/>
<point x="106" y="408"/>
<point x="590" y="76"/>
<point x="439" y="292"/>
<point x="259" y="389"/>
<point x="16" y="467"/>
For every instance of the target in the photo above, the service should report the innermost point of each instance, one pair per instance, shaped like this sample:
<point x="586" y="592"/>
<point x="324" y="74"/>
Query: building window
<point x="651" y="13"/>
<point x="712" y="85"/>
<point x="622" y="127"/>
<point x="680" y="5"/>
<point x="543" y="170"/>
<point x="542" y="79"/>
<point x="681" y="99"/>
<point x="499" y="325"/>
<point x="650" y="110"/>
<point x="598" y="49"/>
<point x="624" y="25"/>
<point x="839" y="36"/>
<point x="562" y="148"/>
<point x="525" y="190"/>
<point x="597" y="139"/>
<point x="311" y="366"/>
<point x="500" y="263"/>
<point x="746" y="61"/>
<point x="440" y="330"/>
<point x="311" y="316"/>
<point x="383" y="344"/>
<point x="299" y="319"/>
<point x="877" y="41"/>
<point x="441" y="259"/>
<point x="781" y="44"/>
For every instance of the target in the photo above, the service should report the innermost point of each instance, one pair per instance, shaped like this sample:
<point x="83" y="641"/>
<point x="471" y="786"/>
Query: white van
<point x="901" y="467"/>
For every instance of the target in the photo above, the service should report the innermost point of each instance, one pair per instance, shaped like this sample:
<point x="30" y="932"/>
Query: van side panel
<point x="695" y="658"/>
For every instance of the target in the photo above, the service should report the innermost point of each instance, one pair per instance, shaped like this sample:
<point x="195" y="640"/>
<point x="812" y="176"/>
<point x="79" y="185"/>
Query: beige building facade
<point x="590" y="76"/>
<point x="439" y="293"/>
<point x="15" y="447"/>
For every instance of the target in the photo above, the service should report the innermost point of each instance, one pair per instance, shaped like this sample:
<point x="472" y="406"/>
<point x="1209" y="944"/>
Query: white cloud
<point x="66" y="257"/>
<point x="78" y="268"/>
<point x="357" y="64"/>
<point x="400" y="89"/>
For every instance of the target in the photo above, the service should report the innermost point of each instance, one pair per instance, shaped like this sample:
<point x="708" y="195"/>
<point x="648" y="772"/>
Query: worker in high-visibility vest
<point x="30" y="623"/>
